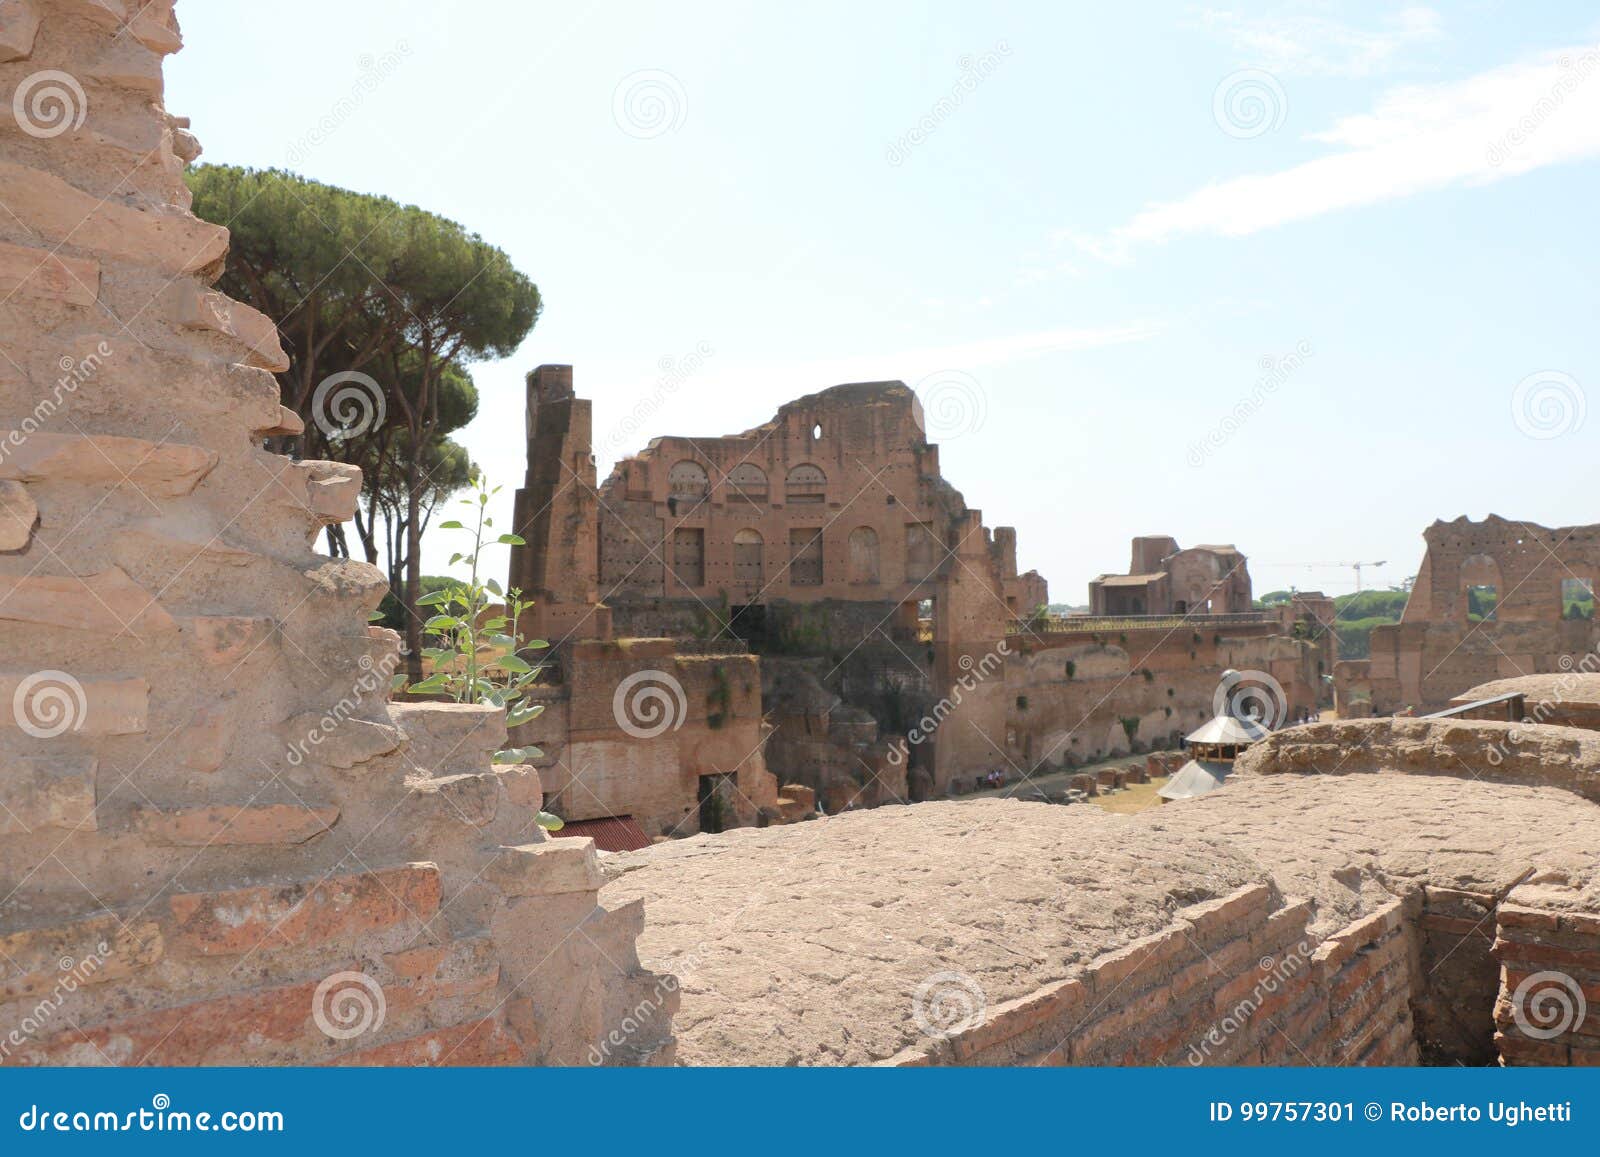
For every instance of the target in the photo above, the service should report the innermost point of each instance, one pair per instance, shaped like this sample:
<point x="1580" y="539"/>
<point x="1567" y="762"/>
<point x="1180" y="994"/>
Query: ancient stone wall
<point x="1234" y="981"/>
<point x="838" y="497"/>
<point x="1523" y="571"/>
<point x="1072" y="697"/>
<point x="638" y="726"/>
<point x="211" y="809"/>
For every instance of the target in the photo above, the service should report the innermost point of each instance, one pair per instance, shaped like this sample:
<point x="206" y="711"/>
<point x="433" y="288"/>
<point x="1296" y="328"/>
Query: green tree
<point x="455" y="299"/>
<point x="361" y="283"/>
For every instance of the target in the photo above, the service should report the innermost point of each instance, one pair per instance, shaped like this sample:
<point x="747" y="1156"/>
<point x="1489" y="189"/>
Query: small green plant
<point x="1149" y="675"/>
<point x="1130" y="725"/>
<point x="464" y="627"/>
<point x="1072" y="668"/>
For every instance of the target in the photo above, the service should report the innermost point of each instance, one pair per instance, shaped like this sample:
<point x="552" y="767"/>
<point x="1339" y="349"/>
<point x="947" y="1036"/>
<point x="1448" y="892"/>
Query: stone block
<point x="480" y="1042"/>
<point x="159" y="470"/>
<point x="18" y="514"/>
<point x="551" y="868"/>
<point x="19" y="23"/>
<point x="48" y="792"/>
<point x="109" y="603"/>
<point x="191" y="305"/>
<point x="55" y="703"/>
<point x="89" y="951"/>
<point x="225" y="825"/>
<point x="304" y="914"/>
<point x="65" y="215"/>
<point x="49" y="276"/>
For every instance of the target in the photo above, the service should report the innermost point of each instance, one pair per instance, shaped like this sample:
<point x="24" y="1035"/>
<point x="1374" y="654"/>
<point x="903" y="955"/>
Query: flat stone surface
<point x="806" y="944"/>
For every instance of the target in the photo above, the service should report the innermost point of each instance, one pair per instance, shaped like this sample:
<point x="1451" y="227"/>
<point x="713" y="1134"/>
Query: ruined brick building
<point x="1492" y="600"/>
<point x="1164" y="579"/>
<point x="825" y="539"/>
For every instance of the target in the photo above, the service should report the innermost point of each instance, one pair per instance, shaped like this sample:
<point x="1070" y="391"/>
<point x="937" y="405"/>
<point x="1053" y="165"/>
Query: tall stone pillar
<point x="219" y="842"/>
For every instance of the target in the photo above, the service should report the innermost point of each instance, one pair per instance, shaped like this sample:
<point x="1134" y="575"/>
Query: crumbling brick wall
<point x="1232" y="981"/>
<point x="221" y="843"/>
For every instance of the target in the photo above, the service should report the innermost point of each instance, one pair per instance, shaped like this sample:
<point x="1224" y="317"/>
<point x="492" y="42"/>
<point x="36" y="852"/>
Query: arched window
<point x="864" y="556"/>
<point x="806" y="483"/>
<point x="748" y="562"/>
<point x="687" y="482"/>
<point x="748" y="481"/>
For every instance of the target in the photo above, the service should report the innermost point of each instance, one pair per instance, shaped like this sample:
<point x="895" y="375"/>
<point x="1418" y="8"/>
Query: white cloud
<point x="1497" y="124"/>
<point x="1310" y="45"/>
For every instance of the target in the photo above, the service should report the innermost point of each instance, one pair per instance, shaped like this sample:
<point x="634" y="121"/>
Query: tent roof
<point x="1195" y="778"/>
<point x="1229" y="729"/>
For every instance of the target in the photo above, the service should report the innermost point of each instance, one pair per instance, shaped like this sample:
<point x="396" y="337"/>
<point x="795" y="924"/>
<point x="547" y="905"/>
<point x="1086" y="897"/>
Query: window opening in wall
<point x="1577" y="598"/>
<point x="1481" y="602"/>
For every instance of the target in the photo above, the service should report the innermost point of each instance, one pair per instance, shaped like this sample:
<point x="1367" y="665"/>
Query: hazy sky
<point x="1304" y="277"/>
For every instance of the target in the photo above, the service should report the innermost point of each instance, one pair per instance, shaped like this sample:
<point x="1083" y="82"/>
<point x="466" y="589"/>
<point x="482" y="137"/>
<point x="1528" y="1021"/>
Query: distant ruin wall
<point x="1519" y="576"/>
<point x="1069" y="697"/>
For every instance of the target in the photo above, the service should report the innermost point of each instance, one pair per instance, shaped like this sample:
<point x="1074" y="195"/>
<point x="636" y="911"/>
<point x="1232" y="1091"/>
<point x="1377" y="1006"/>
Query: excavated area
<point x="1330" y="905"/>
